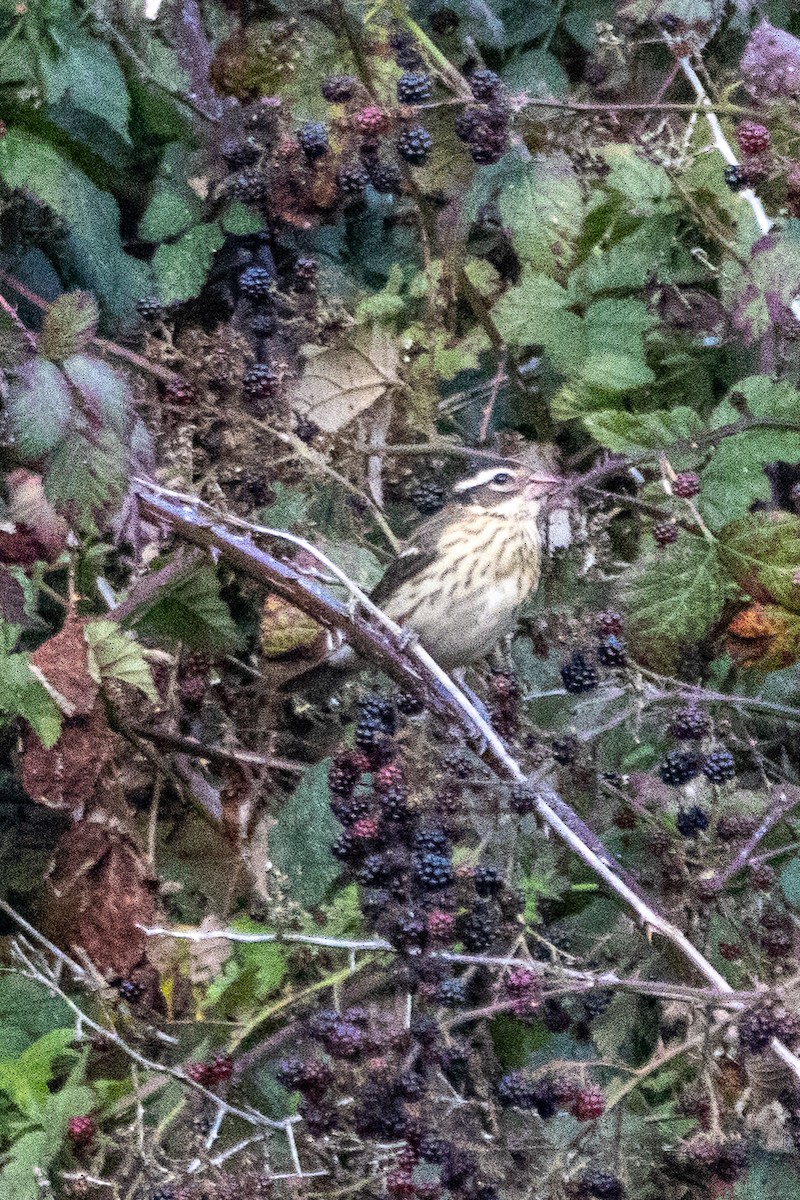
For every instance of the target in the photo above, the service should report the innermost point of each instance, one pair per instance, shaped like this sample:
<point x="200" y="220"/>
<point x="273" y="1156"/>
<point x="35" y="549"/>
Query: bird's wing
<point x="414" y="558"/>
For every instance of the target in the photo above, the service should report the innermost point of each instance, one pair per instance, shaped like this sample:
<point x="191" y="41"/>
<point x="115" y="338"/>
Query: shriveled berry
<point x="752" y="137"/>
<point x="719" y="766"/>
<point x="523" y="799"/>
<point x="484" y="84"/>
<point x="624" y="817"/>
<point x="733" y="177"/>
<point x="338" y="89"/>
<point x="686" y="485"/>
<point x="589" y="1104"/>
<point x="251" y="186"/>
<point x="665" y="533"/>
<point x="414" y="87"/>
<point x="564" y="750"/>
<point x="260" y="382"/>
<point x="414" y="145"/>
<point x="305" y="271"/>
<point x="80" y="1130"/>
<point x="579" y="675"/>
<point x="239" y="152"/>
<point x="691" y="821"/>
<point x="256" y="283"/>
<point x="678" y="768"/>
<point x="611" y="652"/>
<point x="404" y="47"/>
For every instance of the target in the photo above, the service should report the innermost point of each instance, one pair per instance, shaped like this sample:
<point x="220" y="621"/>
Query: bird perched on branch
<point x="460" y="582"/>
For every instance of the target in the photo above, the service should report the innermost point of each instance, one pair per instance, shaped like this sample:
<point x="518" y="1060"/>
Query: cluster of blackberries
<point x="216" y="1070"/>
<point x="681" y="766"/>
<point x="484" y="125"/>
<point x="754" y="143"/>
<point x="760" y="1024"/>
<point x="547" y="1094"/>
<point x="714" y="1158"/>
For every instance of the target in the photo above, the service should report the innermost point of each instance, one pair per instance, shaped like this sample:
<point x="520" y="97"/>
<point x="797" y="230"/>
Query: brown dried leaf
<point x="341" y="382"/>
<point x="63" y="663"/>
<point x="66" y="776"/>
<point x="102" y="891"/>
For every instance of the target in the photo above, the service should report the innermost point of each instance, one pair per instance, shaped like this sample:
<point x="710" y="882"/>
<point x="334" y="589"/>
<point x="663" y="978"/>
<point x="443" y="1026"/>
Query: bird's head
<point x="504" y="486"/>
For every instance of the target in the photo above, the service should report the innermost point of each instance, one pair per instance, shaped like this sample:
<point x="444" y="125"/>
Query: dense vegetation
<point x="268" y="272"/>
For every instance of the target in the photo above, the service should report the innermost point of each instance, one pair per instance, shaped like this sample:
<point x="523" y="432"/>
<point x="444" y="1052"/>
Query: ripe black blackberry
<point x="691" y="821"/>
<point x="311" y="1076"/>
<point x="443" y="21"/>
<point x="350" y="809"/>
<point x="757" y="1027"/>
<point x="578" y="675"/>
<point x="408" y="704"/>
<point x="376" y="716"/>
<point x="306" y="430"/>
<point x="338" y="89"/>
<point x="466" y="123"/>
<point x="451" y="993"/>
<point x="385" y="177"/>
<point x="313" y="139"/>
<point x="516" y="1090"/>
<point x="404" y="47"/>
<point x="484" y="84"/>
<point x="377" y="868"/>
<point x="345" y="771"/>
<point x="374" y="902"/>
<point x="239" y="152"/>
<point x="733" y="177"/>
<point x="256" y="283"/>
<point x="427" y="495"/>
<point x="555" y="1016"/>
<point x="477" y="929"/>
<point x="690" y="724"/>
<point x="260" y="381"/>
<point x="165" y="1192"/>
<point x="522" y="799"/>
<point x="409" y="931"/>
<point x="393" y="803"/>
<point x="564" y="750"/>
<point x="488" y="880"/>
<point x="432" y="871"/>
<point x="131" y="990"/>
<point x="414" y="145"/>
<point x="345" y="848"/>
<point x="414" y="88"/>
<point x="611" y="652"/>
<point x="343" y="1040"/>
<point x="678" y="768"/>
<point x="149" y="308"/>
<point x="719" y="766"/>
<point x="250" y="186"/>
<point x="487" y="145"/>
<point x="601" y="1185"/>
<point x="351" y="180"/>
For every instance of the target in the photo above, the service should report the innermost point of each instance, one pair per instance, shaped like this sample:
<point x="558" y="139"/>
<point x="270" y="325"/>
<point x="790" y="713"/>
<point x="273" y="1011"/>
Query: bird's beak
<point x="540" y="483"/>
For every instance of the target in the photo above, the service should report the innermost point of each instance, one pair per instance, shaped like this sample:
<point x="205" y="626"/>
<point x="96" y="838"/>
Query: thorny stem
<point x="386" y="644"/>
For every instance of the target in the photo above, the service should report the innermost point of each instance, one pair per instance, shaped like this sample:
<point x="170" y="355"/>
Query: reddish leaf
<point x="63" y="661"/>
<point x="66" y="776"/>
<point x="764" y="636"/>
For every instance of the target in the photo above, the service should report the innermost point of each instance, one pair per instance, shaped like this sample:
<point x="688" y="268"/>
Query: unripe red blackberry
<point x="440" y="924"/>
<point x="220" y="1068"/>
<point x="608" y="624"/>
<point x="179" y="392"/>
<point x="678" y="768"/>
<point x="313" y="139"/>
<point x="665" y="533"/>
<point x="686" y="484"/>
<point x="719" y="766"/>
<point x="752" y="137"/>
<point x="414" y="88"/>
<point x="338" y="89"/>
<point x="578" y="675"/>
<point x="729" y="951"/>
<point x="197" y="1072"/>
<point x="260" y="382"/>
<point x="589" y="1104"/>
<point x="371" y="120"/>
<point x="691" y="821"/>
<point x="690" y="724"/>
<point x="80" y="1130"/>
<point x="484" y="84"/>
<point x="365" y="828"/>
<point x="256" y="283"/>
<point x="521" y="982"/>
<point x="414" y="145"/>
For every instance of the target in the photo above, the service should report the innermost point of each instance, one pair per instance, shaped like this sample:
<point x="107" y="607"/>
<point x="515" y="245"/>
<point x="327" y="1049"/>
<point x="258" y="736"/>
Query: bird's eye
<point x="503" y="477"/>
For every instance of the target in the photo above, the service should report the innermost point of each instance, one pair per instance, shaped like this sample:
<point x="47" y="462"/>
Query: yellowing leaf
<point x="341" y="383"/>
<point x="115" y="655"/>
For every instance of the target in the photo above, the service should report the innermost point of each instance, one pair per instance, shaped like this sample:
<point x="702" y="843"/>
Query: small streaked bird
<point x="459" y="584"/>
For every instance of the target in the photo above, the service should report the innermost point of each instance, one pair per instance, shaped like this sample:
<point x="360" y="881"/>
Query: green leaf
<point x="651" y="252"/>
<point x="181" y="267"/>
<point x="17" y="1179"/>
<point x="789" y="881"/>
<point x="69" y="326"/>
<point x="38" y="407"/>
<point x="266" y="959"/>
<point x="770" y="1177"/>
<point x="762" y="553"/>
<point x="542" y="206"/>
<point x="300" y="840"/>
<point x="646" y="186"/>
<point x="87" y="476"/>
<point x="616" y="372"/>
<point x="168" y="214"/>
<point x="115" y="655"/>
<point x="537" y="72"/>
<point x="21" y="695"/>
<point x="105" y="393"/>
<point x="735" y="477"/>
<point x="25" y="1079"/>
<point x="85" y="72"/>
<point x="625" y="433"/>
<point x="240" y="219"/>
<point x="535" y="313"/>
<point x="673" y="599"/>
<point x="191" y="611"/>
<point x="91" y="217"/>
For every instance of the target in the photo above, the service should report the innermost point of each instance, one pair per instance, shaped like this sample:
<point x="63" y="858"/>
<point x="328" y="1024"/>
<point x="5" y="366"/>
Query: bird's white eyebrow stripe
<point x="482" y="477"/>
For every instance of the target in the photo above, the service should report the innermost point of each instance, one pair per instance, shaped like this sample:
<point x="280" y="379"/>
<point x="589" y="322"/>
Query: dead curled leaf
<point x="62" y="662"/>
<point x="766" y="636"/>
<point x="102" y="891"/>
<point x="66" y="777"/>
<point x="340" y="383"/>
